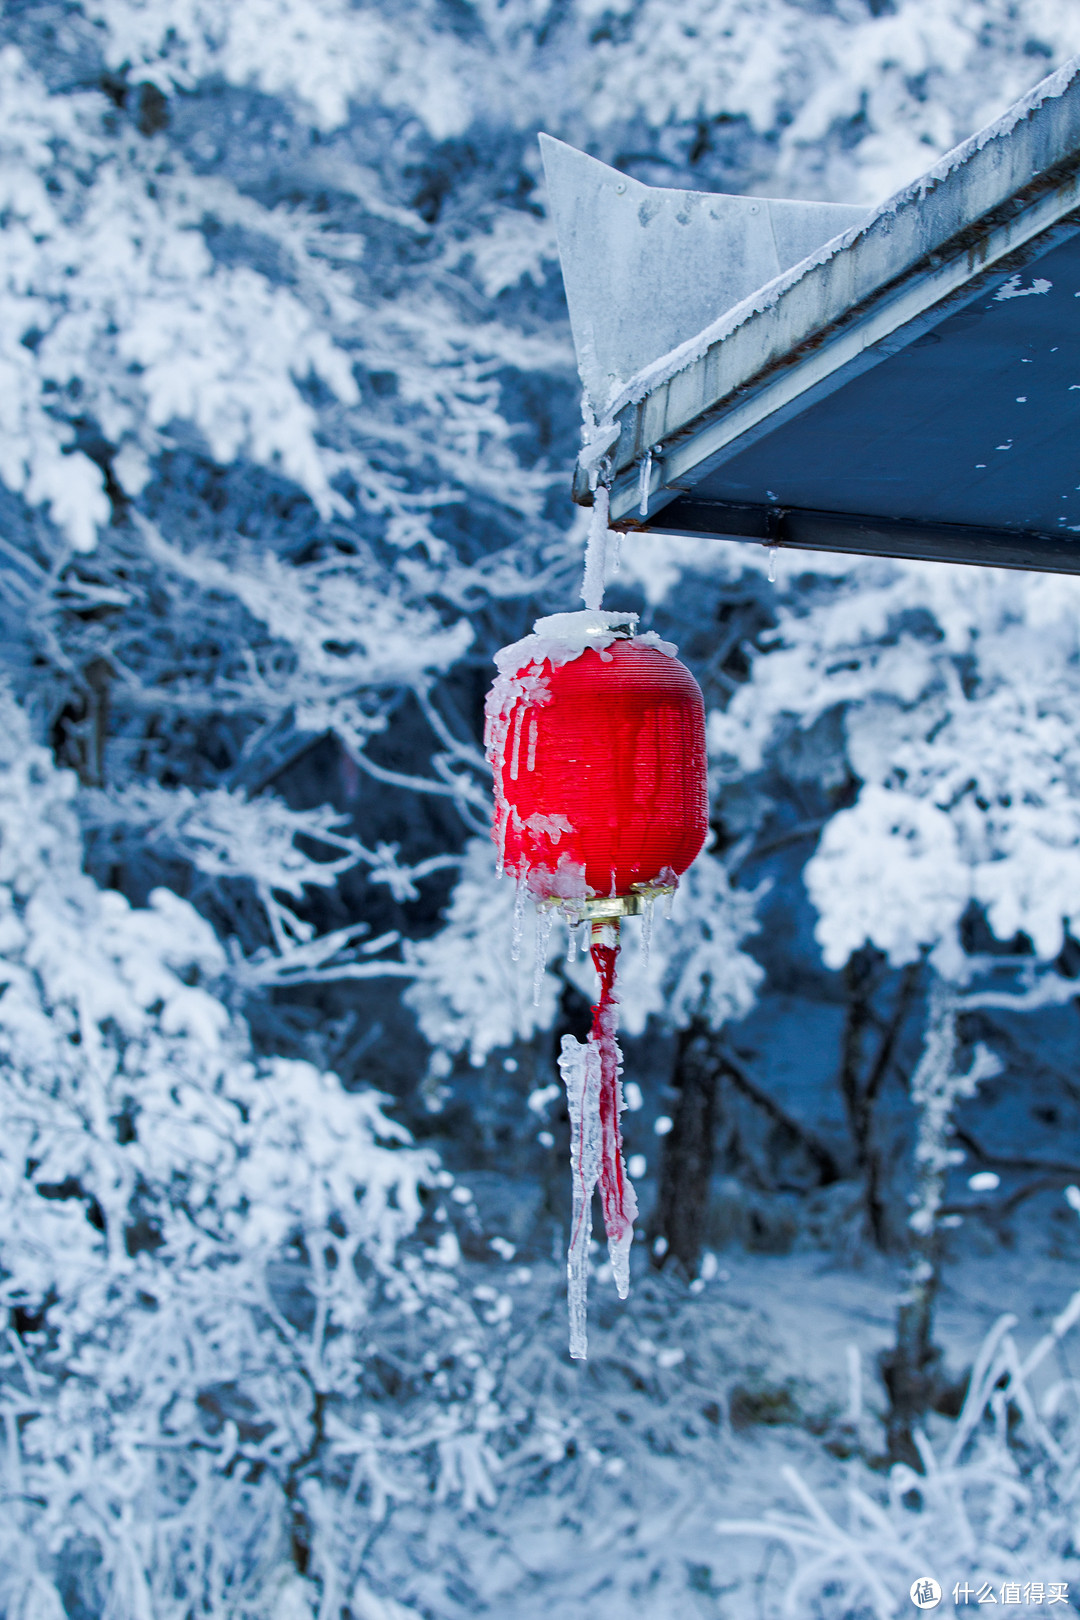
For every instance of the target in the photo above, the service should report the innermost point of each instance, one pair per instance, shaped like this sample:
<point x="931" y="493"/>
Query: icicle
<point x="571" y="944"/>
<point x="502" y="823"/>
<point x="619" y="1253"/>
<point x="530" y="762"/>
<point x="580" y="1069"/>
<point x="545" y="916"/>
<point x="644" y="480"/>
<point x="772" y="565"/>
<point x="647" y="926"/>
<point x="592" y="584"/>
<point x="516" y="746"/>
<point x="520" y="896"/>
<point x="614" y="551"/>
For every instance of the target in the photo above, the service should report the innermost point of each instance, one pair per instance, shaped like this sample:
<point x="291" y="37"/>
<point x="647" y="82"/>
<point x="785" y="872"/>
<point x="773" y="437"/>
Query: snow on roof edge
<point x="693" y="349"/>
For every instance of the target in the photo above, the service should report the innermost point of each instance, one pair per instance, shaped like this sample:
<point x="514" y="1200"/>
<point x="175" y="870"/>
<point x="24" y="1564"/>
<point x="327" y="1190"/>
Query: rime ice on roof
<point x="682" y="255"/>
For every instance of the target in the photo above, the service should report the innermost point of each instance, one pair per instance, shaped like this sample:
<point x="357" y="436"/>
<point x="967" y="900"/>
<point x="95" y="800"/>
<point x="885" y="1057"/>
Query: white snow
<point x="1013" y="289"/>
<point x="553" y="826"/>
<point x="561" y="637"/>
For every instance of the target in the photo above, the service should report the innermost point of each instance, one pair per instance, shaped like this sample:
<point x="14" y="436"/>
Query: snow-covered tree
<point x="958" y="692"/>
<point x="243" y="425"/>
<point x="270" y="337"/>
<point x="196" y="1243"/>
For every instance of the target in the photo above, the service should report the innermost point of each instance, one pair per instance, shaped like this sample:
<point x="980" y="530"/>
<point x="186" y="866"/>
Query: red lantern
<point x="596" y="737"/>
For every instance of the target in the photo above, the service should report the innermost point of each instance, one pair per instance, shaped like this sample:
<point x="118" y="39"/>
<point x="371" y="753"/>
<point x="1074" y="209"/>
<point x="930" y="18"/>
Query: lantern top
<point x="585" y="625"/>
<point x="559" y="638"/>
<point x="908" y="388"/>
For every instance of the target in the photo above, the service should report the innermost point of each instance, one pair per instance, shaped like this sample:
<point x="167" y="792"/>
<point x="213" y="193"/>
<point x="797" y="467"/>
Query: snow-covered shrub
<point x="989" y="1514"/>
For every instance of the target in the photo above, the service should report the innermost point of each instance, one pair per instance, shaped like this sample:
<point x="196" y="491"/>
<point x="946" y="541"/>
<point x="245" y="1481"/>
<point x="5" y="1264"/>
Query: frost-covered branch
<point x="936" y="1087"/>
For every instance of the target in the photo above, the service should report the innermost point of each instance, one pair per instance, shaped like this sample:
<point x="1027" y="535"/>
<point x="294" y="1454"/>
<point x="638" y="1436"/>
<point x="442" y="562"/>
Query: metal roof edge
<point x="803" y="332"/>
<point x="859" y="534"/>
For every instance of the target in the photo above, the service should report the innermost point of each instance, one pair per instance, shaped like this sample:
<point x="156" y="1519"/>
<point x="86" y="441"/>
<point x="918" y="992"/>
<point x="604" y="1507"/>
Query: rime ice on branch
<point x="596" y="736"/>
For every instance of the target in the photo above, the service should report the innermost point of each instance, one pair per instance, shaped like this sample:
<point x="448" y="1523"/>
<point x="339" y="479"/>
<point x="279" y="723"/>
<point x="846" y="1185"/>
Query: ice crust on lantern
<point x="596" y="738"/>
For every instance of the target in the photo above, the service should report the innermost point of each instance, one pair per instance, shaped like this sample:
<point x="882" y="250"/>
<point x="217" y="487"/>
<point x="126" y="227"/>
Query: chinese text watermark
<point x="926" y="1593"/>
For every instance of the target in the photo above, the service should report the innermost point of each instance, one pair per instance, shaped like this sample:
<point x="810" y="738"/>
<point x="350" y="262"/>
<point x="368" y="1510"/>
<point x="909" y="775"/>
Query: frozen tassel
<point x="616" y="1191"/>
<point x="590" y="1073"/>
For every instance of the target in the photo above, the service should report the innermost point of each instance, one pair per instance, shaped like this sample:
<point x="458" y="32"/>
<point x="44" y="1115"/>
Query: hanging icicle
<point x="644" y="483"/>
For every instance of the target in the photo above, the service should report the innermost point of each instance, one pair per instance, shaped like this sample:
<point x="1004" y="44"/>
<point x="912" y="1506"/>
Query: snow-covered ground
<point x="694" y="1408"/>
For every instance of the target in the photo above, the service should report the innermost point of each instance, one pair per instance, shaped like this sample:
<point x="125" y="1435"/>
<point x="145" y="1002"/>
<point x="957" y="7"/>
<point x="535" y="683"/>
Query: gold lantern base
<point x="613" y="907"/>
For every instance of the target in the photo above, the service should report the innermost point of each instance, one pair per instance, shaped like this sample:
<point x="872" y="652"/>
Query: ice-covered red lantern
<point x="596" y="737"/>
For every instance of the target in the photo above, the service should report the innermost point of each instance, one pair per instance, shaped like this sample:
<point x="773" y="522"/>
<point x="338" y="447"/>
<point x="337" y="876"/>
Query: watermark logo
<point x="925" y="1593"/>
<point x="1016" y="1593"/>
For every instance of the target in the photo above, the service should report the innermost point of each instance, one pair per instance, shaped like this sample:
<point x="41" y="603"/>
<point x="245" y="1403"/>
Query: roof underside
<point x="964" y="445"/>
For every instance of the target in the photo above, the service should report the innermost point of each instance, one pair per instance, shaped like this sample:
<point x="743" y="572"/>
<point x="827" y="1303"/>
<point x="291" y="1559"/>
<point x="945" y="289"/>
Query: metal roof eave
<point x="862" y="534"/>
<point x="996" y="201"/>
